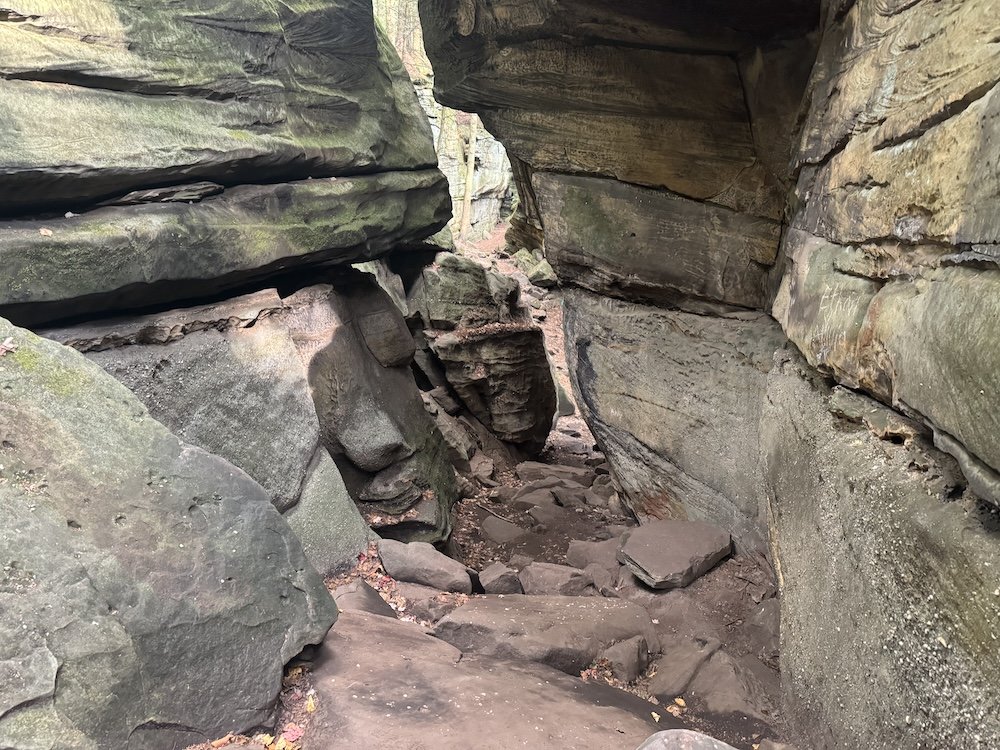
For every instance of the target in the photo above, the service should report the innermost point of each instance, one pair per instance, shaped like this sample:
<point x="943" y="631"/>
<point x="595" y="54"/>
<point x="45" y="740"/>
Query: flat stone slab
<point x="419" y="562"/>
<point x="565" y="632"/>
<point x="542" y="578"/>
<point x="672" y="554"/>
<point x="532" y="471"/>
<point x="501" y="531"/>
<point x="382" y="683"/>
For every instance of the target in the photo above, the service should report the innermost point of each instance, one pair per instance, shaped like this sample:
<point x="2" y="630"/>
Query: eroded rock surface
<point x="251" y="379"/>
<point x="662" y="199"/>
<point x="296" y="128"/>
<point x="565" y="632"/>
<point x="133" y="564"/>
<point x="483" y="347"/>
<point x="388" y="683"/>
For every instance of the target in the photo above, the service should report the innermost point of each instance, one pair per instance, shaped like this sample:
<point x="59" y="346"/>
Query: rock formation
<point x="153" y="158"/>
<point x="748" y="213"/>
<point x="298" y="126"/>
<point x="774" y="224"/>
<point x="483" y="347"/>
<point x="151" y="592"/>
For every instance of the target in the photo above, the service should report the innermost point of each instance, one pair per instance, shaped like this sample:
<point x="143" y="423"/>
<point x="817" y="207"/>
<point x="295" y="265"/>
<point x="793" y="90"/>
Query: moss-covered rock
<point x="151" y="593"/>
<point x="120" y="257"/>
<point x="458" y="292"/>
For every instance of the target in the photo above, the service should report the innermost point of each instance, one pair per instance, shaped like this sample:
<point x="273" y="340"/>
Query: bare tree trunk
<point x="470" y="177"/>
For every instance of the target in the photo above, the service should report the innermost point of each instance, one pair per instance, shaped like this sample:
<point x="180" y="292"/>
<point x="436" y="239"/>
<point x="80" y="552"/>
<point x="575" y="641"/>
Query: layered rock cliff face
<point x="773" y="222"/>
<point x="198" y="148"/>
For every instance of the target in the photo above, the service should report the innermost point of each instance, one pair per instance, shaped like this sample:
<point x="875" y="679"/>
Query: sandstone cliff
<point x="698" y="169"/>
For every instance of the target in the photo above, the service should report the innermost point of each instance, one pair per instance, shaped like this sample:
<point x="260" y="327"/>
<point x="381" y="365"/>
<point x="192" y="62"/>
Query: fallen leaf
<point x="223" y="741"/>
<point x="310" y="704"/>
<point x="45" y="232"/>
<point x="674" y="710"/>
<point x="656" y="716"/>
<point x="7" y="346"/>
<point x="680" y="702"/>
<point x="292" y="732"/>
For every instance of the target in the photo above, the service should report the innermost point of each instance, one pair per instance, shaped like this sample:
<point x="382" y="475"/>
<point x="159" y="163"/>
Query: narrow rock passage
<point x="548" y="619"/>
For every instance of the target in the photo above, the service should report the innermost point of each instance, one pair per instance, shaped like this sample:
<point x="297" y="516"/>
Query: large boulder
<point x="211" y="371"/>
<point x="652" y="90"/>
<point x="266" y="367"/>
<point x="151" y="592"/>
<point x="248" y="92"/>
<point x="134" y="256"/>
<point x="292" y="131"/>
<point x="502" y="375"/>
<point x="481" y="344"/>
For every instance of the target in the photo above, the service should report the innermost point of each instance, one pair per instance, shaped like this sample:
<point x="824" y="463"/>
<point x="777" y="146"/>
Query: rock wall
<point x="607" y="110"/>
<point x="491" y="193"/>
<point x="890" y="288"/>
<point x="747" y="213"/>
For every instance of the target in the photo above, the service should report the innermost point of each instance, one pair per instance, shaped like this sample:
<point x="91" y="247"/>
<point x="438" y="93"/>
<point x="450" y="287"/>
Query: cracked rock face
<point x="151" y="592"/>
<point x="487" y="347"/>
